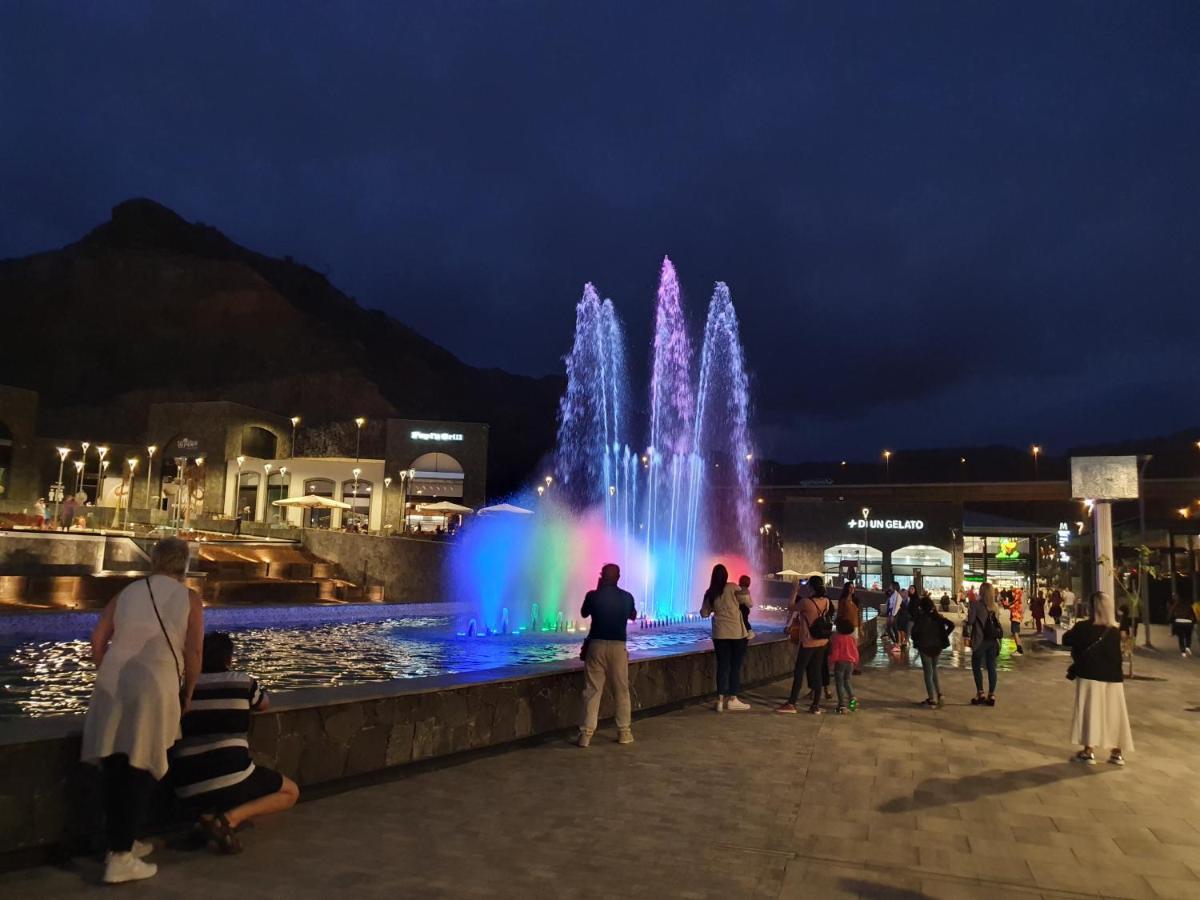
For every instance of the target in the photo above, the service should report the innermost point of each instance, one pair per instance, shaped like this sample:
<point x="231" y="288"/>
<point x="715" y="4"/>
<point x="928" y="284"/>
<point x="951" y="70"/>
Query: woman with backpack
<point x="1100" y="719"/>
<point x="930" y="635"/>
<point x="982" y="633"/>
<point x="811" y="625"/>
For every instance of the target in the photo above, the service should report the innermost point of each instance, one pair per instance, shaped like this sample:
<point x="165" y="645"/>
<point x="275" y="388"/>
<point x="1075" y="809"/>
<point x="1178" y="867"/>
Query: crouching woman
<point x="211" y="768"/>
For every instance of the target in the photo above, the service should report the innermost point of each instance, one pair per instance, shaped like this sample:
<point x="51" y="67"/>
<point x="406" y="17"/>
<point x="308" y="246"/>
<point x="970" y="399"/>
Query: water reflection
<point x="40" y="678"/>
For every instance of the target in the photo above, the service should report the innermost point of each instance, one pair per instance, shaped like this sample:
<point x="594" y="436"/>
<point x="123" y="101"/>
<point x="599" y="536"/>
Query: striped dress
<point x="214" y="754"/>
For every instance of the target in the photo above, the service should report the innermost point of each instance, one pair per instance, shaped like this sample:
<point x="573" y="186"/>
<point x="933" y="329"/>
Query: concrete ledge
<point x="49" y="800"/>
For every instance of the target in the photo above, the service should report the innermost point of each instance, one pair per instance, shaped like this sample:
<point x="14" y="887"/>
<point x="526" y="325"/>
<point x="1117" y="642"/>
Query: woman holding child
<point x="723" y="602"/>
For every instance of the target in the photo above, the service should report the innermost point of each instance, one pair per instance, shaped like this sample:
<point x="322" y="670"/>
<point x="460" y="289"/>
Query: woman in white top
<point x="729" y="637"/>
<point x="147" y="645"/>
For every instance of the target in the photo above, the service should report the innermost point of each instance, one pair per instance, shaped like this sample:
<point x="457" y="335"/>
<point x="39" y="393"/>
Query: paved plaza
<point x="894" y="801"/>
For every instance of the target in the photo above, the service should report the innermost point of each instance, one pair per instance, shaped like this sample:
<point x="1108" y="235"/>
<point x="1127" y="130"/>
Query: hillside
<point x="148" y="306"/>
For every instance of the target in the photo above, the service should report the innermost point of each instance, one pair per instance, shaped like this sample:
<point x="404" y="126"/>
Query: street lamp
<point x="406" y="479"/>
<point x="359" y="423"/>
<point x="103" y="452"/>
<point x="133" y="464"/>
<point x="237" y="489"/>
<point x="267" y="467"/>
<point x="1037" y="451"/>
<point x="100" y="479"/>
<point x="549" y="481"/>
<point x="387" y="483"/>
<point x="78" y="474"/>
<point x="150" y="451"/>
<point x="356" y="471"/>
<point x="63" y="453"/>
<point x="887" y="465"/>
<point x="295" y="420"/>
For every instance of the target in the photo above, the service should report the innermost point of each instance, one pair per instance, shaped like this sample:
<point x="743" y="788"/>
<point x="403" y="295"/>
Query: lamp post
<point x="887" y="465"/>
<point x="80" y="470"/>
<point x="1037" y="451"/>
<point x="295" y="420"/>
<point x="237" y="488"/>
<point x="387" y="483"/>
<point x="78" y="474"/>
<point x="63" y="453"/>
<point x="267" y="467"/>
<point x="358" y="423"/>
<point x="100" y="480"/>
<point x="150" y="451"/>
<point x="132" y="462"/>
<point x="406" y="477"/>
<point x="356" y="471"/>
<point x="103" y="452"/>
<point x="1143" y="582"/>
<point x="180" y="487"/>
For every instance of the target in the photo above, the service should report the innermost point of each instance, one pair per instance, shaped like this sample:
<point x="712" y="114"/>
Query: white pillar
<point x="1102" y="538"/>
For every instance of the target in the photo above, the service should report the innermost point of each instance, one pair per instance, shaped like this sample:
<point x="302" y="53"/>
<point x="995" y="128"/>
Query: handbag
<point x="171" y="646"/>
<point x="1071" y="671"/>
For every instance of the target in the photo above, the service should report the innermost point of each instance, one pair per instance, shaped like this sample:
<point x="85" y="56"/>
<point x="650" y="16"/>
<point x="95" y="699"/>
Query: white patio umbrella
<point x="505" y="509"/>
<point x="445" y="506"/>
<point x="788" y="573"/>
<point x="312" y="501"/>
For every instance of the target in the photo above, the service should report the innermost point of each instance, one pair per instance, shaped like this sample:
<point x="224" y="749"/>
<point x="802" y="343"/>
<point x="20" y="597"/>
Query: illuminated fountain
<point x="665" y="513"/>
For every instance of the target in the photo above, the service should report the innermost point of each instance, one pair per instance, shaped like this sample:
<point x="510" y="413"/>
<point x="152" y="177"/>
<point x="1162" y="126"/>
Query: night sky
<point x="942" y="223"/>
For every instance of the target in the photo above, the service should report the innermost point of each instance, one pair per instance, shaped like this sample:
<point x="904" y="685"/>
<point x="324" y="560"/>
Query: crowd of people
<point x="826" y="637"/>
<point x="168" y="704"/>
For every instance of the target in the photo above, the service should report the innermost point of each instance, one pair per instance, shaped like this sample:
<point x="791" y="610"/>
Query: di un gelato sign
<point x="866" y="522"/>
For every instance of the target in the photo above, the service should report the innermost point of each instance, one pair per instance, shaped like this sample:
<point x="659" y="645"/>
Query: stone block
<point x="399" y="743"/>
<point x="342" y="722"/>
<point x="287" y="755"/>
<point x="368" y="751"/>
<point x="322" y="760"/>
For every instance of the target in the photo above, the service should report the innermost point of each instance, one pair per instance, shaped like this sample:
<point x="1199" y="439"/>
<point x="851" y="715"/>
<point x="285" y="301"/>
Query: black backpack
<point x="822" y="627"/>
<point x="991" y="628"/>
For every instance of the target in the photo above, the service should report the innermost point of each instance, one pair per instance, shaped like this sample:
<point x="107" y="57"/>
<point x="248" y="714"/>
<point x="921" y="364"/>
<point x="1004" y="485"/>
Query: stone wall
<point x="49" y="553"/>
<point x="319" y="736"/>
<point x="411" y="570"/>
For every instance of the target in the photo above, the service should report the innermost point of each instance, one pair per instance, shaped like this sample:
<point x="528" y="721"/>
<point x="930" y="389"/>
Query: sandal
<point x="218" y="831"/>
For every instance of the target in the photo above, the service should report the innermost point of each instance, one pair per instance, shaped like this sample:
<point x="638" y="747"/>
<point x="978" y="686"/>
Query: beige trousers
<point x="606" y="661"/>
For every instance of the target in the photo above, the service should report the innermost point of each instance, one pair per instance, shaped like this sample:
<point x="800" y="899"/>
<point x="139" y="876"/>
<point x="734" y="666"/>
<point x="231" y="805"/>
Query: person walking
<point x="931" y="635"/>
<point x="723" y="604"/>
<point x="843" y="657"/>
<point x="147" y="646"/>
<point x="1183" y="620"/>
<point x="1016" y="614"/>
<point x="39" y="512"/>
<point x="1037" y="609"/>
<point x="605" y="656"/>
<point x="812" y="619"/>
<point x="1056" y="607"/>
<point x="982" y="633"/>
<point x="1100" y="718"/>
<point x="893" y="606"/>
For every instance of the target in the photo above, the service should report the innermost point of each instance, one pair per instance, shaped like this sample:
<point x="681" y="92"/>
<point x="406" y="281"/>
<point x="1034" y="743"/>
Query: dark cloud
<point x="937" y="220"/>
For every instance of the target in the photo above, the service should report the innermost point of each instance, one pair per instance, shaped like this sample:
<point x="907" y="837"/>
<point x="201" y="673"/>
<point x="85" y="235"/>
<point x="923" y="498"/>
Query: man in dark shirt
<point x="606" y="659"/>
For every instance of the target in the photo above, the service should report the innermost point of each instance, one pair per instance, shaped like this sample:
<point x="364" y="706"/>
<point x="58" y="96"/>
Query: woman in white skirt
<point x="1100" y="719"/>
<point x="147" y="646"/>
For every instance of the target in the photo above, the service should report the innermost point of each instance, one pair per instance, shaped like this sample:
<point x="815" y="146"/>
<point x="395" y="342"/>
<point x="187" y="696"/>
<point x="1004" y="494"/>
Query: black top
<point x="1096" y="651"/>
<point x="929" y="633"/>
<point x="610" y="608"/>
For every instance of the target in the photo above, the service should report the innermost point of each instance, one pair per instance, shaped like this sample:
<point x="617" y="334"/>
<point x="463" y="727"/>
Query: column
<point x="1103" y="537"/>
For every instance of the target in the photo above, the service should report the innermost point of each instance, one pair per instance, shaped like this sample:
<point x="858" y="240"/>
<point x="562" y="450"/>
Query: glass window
<point x="247" y="495"/>
<point x="358" y="495"/>
<point x="278" y="487"/>
<point x="258" y="442"/>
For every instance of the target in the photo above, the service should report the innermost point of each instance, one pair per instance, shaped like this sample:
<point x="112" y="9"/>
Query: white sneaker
<point x="625" y="736"/>
<point x="583" y="739"/>
<point x="719" y="705"/>
<point x="734" y="704"/>
<point x="122" y="867"/>
<point x="142" y="849"/>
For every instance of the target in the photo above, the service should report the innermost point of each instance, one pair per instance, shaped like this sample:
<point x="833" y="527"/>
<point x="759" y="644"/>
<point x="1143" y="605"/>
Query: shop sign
<point x="1064" y="534"/>
<point x="1008" y="549"/>
<point x="435" y="436"/>
<point x="887" y="524"/>
<point x="1064" y="557"/>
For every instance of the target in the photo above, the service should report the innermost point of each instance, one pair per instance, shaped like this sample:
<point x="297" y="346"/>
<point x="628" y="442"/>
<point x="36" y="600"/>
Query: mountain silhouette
<point x="149" y="306"/>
